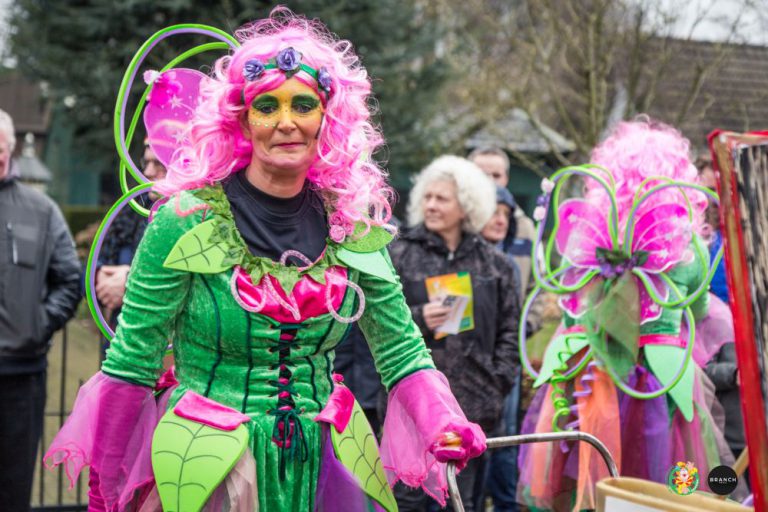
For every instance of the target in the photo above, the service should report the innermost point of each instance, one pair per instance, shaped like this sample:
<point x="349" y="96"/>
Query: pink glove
<point x="471" y="444"/>
<point x="420" y="412"/>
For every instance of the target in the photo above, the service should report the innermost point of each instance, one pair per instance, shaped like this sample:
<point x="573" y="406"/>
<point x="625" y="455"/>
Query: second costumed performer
<point x="626" y="364"/>
<point x="273" y="240"/>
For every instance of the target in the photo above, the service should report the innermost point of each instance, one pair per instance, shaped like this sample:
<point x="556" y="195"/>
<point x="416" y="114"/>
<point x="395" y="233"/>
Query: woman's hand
<point x="110" y="285"/>
<point x="463" y="441"/>
<point x="435" y="314"/>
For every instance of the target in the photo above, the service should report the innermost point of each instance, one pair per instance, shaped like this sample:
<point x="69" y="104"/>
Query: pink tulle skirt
<point x="643" y="439"/>
<point x="646" y="437"/>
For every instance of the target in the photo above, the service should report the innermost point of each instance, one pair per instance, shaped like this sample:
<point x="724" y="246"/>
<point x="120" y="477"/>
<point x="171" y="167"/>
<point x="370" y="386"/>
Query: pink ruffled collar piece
<point x="307" y="300"/>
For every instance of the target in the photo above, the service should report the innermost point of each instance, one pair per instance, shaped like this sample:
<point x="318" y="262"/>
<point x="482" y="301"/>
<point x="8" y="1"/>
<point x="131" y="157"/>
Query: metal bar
<point x="79" y="497"/>
<point x="453" y="488"/>
<point x="62" y="413"/>
<point x="548" y="437"/>
<point x="501" y="442"/>
<point x="61" y="508"/>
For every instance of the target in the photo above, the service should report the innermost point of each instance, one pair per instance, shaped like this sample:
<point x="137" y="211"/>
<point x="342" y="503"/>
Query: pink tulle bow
<point x="307" y="300"/>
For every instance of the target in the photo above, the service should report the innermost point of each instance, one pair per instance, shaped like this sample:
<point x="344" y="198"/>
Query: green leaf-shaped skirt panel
<point x="357" y="449"/>
<point x="190" y="460"/>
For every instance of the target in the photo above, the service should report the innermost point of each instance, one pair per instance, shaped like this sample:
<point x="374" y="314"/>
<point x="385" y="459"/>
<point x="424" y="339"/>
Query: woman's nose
<point x="286" y="122"/>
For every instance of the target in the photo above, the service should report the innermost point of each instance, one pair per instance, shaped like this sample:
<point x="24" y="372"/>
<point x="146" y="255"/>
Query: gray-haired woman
<point x="451" y="201"/>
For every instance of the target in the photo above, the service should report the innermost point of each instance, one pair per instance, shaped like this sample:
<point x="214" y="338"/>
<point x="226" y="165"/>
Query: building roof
<point x="733" y="96"/>
<point x="31" y="169"/>
<point x="516" y="132"/>
<point x="25" y="103"/>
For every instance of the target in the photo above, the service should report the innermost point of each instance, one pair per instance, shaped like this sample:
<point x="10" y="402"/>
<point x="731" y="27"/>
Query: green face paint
<point x="292" y="101"/>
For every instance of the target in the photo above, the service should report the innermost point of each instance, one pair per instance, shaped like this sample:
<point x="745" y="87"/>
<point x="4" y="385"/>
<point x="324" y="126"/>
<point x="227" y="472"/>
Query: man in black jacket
<point x="39" y="291"/>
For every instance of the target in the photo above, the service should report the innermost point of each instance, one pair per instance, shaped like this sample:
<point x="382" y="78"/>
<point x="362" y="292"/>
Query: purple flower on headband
<point x="253" y="69"/>
<point x="324" y="79"/>
<point x="288" y="59"/>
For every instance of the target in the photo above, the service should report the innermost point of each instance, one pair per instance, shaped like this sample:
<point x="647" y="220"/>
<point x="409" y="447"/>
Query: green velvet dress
<point x="235" y="357"/>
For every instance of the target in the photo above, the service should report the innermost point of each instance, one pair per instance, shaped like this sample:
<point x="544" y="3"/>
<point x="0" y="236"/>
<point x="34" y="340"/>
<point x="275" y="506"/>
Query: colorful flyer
<point x="456" y="292"/>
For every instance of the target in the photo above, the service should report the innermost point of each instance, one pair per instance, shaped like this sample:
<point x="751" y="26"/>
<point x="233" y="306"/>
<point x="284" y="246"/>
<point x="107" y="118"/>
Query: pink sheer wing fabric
<point x="421" y="408"/>
<point x="583" y="229"/>
<point x="664" y="233"/>
<point x="171" y="104"/>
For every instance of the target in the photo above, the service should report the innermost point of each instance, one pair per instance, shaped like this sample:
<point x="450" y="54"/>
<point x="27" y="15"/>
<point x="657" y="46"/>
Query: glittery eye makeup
<point x="304" y="104"/>
<point x="267" y="109"/>
<point x="265" y="104"/>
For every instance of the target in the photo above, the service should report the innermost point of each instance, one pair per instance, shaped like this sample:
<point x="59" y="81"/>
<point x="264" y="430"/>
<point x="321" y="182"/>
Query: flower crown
<point x="287" y="60"/>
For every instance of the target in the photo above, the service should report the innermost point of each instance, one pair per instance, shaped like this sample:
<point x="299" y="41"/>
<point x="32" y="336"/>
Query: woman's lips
<point x="289" y="145"/>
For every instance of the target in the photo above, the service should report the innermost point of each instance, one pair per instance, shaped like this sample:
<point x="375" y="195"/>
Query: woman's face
<point x="283" y="125"/>
<point x="442" y="212"/>
<point x="496" y="229"/>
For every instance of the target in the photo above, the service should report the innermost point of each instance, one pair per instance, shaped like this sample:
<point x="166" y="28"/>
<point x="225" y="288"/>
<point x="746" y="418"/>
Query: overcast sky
<point x="752" y="29"/>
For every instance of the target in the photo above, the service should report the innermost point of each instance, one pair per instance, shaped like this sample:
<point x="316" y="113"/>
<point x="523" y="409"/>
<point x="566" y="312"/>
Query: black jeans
<point x="22" y="404"/>
<point x="470" y="481"/>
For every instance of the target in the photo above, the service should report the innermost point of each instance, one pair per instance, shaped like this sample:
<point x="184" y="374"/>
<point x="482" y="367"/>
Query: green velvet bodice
<point x="234" y="356"/>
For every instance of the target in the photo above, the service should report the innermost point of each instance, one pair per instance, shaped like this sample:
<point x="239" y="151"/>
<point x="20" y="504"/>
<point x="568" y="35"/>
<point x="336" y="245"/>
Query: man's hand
<point x="110" y="285"/>
<point x="435" y="314"/>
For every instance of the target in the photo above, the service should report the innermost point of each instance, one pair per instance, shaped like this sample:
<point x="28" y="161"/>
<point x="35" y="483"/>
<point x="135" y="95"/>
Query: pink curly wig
<point x="352" y="184"/>
<point x="641" y="149"/>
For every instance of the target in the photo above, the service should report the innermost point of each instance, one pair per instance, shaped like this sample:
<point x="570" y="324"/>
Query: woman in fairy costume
<point x="273" y="240"/>
<point x="633" y="287"/>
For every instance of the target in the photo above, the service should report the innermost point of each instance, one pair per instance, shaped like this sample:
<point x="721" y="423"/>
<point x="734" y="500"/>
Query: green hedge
<point x="80" y="217"/>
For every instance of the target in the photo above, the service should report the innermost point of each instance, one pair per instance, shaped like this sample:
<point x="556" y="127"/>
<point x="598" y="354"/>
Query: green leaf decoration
<point x="194" y="252"/>
<point x="615" y="315"/>
<point x="317" y="273"/>
<point x="357" y="450"/>
<point x="376" y="239"/>
<point x="191" y="459"/>
<point x="371" y="263"/>
<point x="665" y="361"/>
<point x="286" y="276"/>
<point x="567" y="345"/>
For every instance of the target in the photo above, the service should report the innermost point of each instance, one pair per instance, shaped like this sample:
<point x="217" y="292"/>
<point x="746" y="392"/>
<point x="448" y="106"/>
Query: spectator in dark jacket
<point x="39" y="291"/>
<point x="494" y="162"/>
<point x="450" y="202"/>
<point x="502" y="472"/>
<point x="121" y="242"/>
<point x="723" y="373"/>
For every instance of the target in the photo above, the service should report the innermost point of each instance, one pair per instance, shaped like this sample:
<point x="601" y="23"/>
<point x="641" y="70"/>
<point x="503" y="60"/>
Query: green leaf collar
<point x="216" y="245"/>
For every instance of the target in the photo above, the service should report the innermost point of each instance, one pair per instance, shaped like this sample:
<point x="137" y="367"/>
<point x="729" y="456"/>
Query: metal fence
<point x="51" y="493"/>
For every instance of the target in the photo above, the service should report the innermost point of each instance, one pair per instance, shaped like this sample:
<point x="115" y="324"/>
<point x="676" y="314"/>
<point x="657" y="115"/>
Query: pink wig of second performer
<point x="642" y="149"/>
<point x="351" y="183"/>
